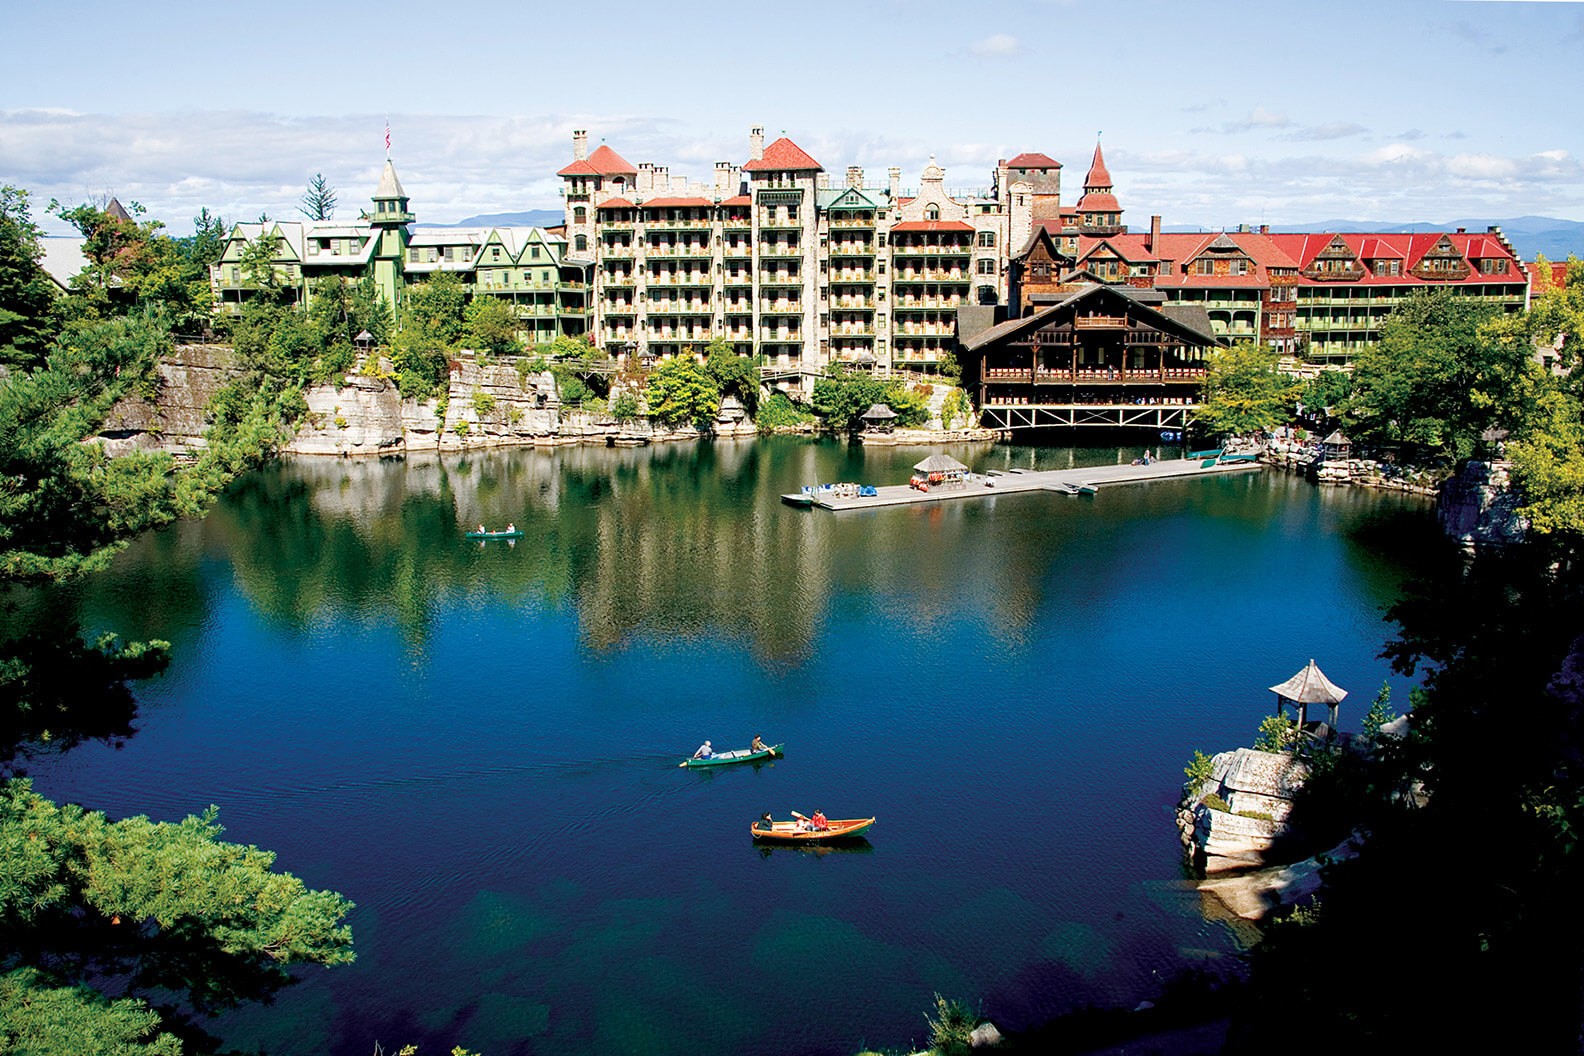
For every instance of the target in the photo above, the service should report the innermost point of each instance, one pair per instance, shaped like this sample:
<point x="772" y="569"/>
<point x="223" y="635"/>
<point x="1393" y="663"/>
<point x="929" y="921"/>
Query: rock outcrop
<point x="487" y="403"/>
<point x="1232" y="820"/>
<point x="1479" y="507"/>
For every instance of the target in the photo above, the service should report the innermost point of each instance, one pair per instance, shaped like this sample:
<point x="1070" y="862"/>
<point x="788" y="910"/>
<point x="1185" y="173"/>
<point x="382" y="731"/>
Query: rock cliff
<point x="1479" y="507"/>
<point x="1233" y="819"/>
<point x="487" y="403"/>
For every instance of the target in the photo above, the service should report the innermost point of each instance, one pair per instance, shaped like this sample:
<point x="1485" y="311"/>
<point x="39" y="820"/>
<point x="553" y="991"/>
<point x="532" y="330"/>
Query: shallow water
<point x="478" y="742"/>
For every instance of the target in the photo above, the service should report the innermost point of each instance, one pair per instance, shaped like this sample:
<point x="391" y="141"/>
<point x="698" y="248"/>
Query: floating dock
<point x="1076" y="481"/>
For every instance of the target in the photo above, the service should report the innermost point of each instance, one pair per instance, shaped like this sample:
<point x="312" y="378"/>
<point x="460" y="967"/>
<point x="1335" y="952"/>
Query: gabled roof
<point x="1033" y="161"/>
<point x="1098" y="176"/>
<point x="615" y="203"/>
<point x="1175" y="323"/>
<point x="786" y="156"/>
<point x="933" y="225"/>
<point x="738" y="199"/>
<point x="849" y="198"/>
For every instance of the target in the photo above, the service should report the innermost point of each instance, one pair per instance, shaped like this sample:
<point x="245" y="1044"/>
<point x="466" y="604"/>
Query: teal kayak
<point x="494" y="535"/>
<point x="741" y="755"/>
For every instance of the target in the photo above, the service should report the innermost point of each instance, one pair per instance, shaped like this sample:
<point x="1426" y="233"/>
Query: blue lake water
<point x="478" y="743"/>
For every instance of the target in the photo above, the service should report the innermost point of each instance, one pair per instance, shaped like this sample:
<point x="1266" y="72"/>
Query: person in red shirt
<point x="818" y="822"/>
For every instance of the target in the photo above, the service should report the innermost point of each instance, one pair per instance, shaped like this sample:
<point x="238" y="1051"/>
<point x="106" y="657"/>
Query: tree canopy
<point x="842" y="397"/>
<point x="1446" y="370"/>
<point x="319" y="200"/>
<point x="26" y="293"/>
<point x="679" y="390"/>
<point x="1244" y="392"/>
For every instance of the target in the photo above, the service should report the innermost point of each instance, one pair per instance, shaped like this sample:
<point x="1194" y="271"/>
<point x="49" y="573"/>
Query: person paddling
<point x="704" y="751"/>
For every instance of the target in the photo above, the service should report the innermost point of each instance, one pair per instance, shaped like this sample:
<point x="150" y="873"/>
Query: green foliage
<point x="164" y="907"/>
<point x="1244" y="392"/>
<point x="1199" y="769"/>
<point x="733" y="374"/>
<point x="777" y="411"/>
<point x="1326" y="391"/>
<point x="434" y="309"/>
<point x="566" y="347"/>
<point x="842" y="398"/>
<point x="26" y="293"/>
<point x="1446" y="369"/>
<point x="625" y="408"/>
<point x="1276" y="734"/>
<point x="44" y="1020"/>
<point x="483" y="404"/>
<point x="1379" y="714"/>
<point x="319" y="200"/>
<point x="573" y="390"/>
<point x="1215" y="802"/>
<point x="679" y="390"/>
<point x="951" y="1029"/>
<point x="1548" y="468"/>
<point x="1557" y="313"/>
<point x="956" y="409"/>
<point x="492" y="325"/>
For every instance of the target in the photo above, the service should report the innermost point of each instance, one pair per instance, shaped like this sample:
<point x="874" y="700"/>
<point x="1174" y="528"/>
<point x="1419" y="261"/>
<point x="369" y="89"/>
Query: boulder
<point x="985" y="1034"/>
<point x="1478" y="507"/>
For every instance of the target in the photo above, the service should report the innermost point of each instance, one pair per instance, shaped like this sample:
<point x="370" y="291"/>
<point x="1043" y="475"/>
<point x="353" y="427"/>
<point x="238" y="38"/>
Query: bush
<point x="777" y="411"/>
<point x="1215" y="802"/>
<point x="1275" y="734"/>
<point x="1198" y="769"/>
<point x="951" y="1031"/>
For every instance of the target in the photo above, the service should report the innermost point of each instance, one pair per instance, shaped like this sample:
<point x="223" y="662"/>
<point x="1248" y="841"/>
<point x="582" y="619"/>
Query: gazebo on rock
<point x="1310" y="686"/>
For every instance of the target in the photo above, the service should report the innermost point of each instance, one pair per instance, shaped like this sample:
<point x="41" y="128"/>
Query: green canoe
<point x="494" y="535"/>
<point x="741" y="755"/>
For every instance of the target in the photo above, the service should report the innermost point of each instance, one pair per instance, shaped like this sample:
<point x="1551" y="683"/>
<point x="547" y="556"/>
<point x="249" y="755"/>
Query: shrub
<point x="951" y="1031"/>
<point x="483" y="404"/>
<point x="1198" y="769"/>
<point x="1275" y="734"/>
<point x="777" y="411"/>
<point x="1215" y="802"/>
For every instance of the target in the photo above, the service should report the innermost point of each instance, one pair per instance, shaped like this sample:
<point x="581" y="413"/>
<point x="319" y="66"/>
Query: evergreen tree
<point x="319" y="200"/>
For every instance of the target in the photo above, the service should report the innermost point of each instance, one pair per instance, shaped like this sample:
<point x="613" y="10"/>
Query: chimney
<point x="723" y="177"/>
<point x="1461" y="231"/>
<point x="756" y="143"/>
<point x="854" y="176"/>
<point x="1154" y="235"/>
<point x="1264" y="229"/>
<point x="822" y="181"/>
<point x="895" y="178"/>
<point x="580" y="145"/>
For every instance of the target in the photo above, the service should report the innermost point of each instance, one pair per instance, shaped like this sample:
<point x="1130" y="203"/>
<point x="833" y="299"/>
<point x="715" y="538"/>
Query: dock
<point x="1076" y="481"/>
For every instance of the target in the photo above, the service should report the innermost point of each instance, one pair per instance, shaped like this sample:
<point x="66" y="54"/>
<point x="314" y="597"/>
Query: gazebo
<point x="1309" y="686"/>
<point x="941" y="468"/>
<point x="1337" y="447"/>
<point x="880" y="418"/>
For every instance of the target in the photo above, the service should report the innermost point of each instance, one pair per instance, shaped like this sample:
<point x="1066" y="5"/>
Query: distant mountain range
<point x="1529" y="235"/>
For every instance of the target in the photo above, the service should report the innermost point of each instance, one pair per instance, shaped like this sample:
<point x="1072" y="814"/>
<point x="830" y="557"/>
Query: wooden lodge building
<point x="1083" y="352"/>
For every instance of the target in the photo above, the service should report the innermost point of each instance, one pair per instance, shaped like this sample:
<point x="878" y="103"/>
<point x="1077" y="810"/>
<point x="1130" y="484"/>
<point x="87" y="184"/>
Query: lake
<point x="478" y="742"/>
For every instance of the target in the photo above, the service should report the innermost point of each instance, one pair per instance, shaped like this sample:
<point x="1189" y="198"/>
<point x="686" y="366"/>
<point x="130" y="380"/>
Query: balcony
<point x="839" y="304"/>
<point x="932" y="275"/>
<point x="677" y="225"/>
<point x="780" y="278"/>
<point x="853" y="222"/>
<point x="1100" y="322"/>
<point x="779" y="249"/>
<point x="931" y="251"/>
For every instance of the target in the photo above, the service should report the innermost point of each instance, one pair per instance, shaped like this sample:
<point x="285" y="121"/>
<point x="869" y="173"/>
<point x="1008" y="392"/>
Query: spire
<point x="389" y="185"/>
<point x="1098" y="179"/>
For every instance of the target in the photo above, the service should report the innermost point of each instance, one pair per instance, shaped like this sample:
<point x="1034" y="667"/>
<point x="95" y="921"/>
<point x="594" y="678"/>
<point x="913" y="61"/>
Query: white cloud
<point x="1481" y="167"/>
<point x="1330" y="130"/>
<point x="992" y="46"/>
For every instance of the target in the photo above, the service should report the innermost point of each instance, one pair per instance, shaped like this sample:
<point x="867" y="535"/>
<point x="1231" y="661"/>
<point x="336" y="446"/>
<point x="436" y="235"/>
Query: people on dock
<point x="704" y="751"/>
<point x="758" y="745"/>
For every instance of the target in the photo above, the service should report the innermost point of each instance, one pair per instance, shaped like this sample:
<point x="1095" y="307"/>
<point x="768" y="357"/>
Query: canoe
<point x="792" y="832"/>
<point x="494" y="535"/>
<point x="1087" y="488"/>
<point x="741" y="755"/>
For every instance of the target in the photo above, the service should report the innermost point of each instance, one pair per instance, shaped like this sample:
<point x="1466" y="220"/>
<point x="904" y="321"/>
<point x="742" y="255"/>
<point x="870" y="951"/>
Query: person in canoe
<point x="758" y="745"/>
<point x="483" y="530"/>
<point x="704" y="751"/>
<point x="510" y="527"/>
<point x="818" y="822"/>
<point x="766" y="822"/>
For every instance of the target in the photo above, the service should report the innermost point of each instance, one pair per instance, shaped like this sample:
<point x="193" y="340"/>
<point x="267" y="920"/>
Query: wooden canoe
<point x="494" y="535"/>
<point x="741" y="755"/>
<point x="793" y="831"/>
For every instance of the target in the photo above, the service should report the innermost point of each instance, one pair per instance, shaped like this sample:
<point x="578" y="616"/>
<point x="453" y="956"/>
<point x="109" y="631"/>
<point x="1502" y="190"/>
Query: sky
<point x="1211" y="112"/>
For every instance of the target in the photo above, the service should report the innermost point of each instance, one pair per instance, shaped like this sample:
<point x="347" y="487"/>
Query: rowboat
<point x="494" y="535"/>
<point x="794" y="832"/>
<point x="741" y="755"/>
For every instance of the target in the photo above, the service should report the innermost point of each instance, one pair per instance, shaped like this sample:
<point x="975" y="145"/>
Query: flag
<point x="387" y="137"/>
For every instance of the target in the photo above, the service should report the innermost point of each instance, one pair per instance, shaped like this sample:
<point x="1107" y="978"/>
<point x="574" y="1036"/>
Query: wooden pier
<point x="1075" y="481"/>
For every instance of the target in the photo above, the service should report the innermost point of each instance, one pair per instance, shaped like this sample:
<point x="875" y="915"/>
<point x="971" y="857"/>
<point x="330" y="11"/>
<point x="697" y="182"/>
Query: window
<point x="932" y="213"/>
<point x="987" y="266"/>
<point x="494" y="252"/>
<point x="579" y="214"/>
<point x="581" y="243"/>
<point x="987" y="239"/>
<point x="534" y="252"/>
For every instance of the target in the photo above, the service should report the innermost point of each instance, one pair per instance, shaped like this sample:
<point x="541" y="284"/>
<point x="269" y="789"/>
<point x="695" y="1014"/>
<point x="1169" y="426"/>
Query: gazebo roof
<point x="939" y="464"/>
<point x="878" y="411"/>
<point x="1310" y="686"/>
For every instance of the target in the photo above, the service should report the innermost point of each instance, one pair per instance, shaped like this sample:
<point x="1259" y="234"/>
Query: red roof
<point x="738" y="199"/>
<point x="603" y="162"/>
<point x="933" y="225"/>
<point x="1033" y="161"/>
<point x="615" y="203"/>
<point x="677" y="203"/>
<point x="1097" y="202"/>
<point x="1098" y="176"/>
<point x="783" y="155"/>
<point x="1555" y="271"/>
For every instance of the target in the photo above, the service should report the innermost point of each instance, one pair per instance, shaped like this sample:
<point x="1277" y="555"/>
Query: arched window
<point x="932" y="213"/>
<point x="579" y="214"/>
<point x="581" y="243"/>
